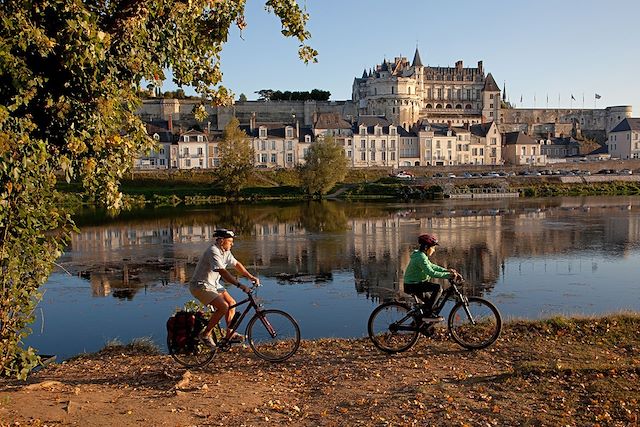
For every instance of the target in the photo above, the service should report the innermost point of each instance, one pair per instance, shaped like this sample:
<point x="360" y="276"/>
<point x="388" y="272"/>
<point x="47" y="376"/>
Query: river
<point x="330" y="263"/>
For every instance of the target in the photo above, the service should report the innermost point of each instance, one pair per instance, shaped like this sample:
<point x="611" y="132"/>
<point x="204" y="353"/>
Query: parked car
<point x="467" y="175"/>
<point x="626" y="172"/>
<point x="451" y="175"/>
<point x="438" y="175"/>
<point x="606" y="172"/>
<point x="403" y="175"/>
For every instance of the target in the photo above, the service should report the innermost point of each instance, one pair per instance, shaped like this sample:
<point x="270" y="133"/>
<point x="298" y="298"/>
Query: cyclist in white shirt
<point x="205" y="283"/>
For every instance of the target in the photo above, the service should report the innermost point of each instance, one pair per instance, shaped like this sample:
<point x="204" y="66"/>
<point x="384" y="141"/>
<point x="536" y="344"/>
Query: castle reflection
<point x="373" y="240"/>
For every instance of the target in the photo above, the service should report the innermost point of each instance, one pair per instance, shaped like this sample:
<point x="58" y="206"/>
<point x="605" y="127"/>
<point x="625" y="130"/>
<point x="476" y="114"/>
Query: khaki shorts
<point x="205" y="295"/>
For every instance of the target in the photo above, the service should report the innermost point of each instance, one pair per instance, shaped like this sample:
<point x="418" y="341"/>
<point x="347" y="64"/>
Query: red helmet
<point x="428" y="240"/>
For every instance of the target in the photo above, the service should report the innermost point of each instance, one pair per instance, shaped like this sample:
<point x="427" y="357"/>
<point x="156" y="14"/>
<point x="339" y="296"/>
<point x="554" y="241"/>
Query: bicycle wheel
<point x="273" y="335"/>
<point x="195" y="355"/>
<point x="391" y="328"/>
<point x="477" y="328"/>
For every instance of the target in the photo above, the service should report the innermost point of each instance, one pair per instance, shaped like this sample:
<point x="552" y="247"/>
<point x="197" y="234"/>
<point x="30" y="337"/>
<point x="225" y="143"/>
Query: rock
<point x="44" y="385"/>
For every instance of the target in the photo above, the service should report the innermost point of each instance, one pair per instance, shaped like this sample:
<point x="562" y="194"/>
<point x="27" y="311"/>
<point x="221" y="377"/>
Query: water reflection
<point x="372" y="240"/>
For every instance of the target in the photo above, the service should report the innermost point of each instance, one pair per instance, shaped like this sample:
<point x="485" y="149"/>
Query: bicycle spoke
<point x="273" y="335"/>
<point x="391" y="328"/>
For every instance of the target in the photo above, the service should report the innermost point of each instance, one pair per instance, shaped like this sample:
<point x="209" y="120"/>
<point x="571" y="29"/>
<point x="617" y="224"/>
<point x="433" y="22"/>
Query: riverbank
<point x="554" y="372"/>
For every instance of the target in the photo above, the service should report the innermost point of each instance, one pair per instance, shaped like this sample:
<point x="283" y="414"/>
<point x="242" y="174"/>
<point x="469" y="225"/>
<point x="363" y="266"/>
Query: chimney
<point x="298" y="129"/>
<point x="252" y="122"/>
<point x="459" y="66"/>
<point x="170" y="125"/>
<point x="480" y="70"/>
<point x="466" y="125"/>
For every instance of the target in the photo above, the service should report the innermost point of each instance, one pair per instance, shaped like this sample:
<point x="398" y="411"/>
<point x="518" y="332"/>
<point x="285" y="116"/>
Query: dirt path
<point x="572" y="373"/>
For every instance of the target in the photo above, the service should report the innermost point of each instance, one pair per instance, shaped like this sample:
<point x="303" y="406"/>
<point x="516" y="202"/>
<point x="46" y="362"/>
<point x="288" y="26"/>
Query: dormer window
<point x="289" y="132"/>
<point x="263" y="132"/>
<point x="363" y="130"/>
<point x="156" y="137"/>
<point x="307" y="138"/>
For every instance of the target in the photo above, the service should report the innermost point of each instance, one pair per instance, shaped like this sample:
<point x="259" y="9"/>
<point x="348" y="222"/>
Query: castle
<point x="401" y="114"/>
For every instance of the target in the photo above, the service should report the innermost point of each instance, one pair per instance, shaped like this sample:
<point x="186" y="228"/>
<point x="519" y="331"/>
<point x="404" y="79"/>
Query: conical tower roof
<point x="417" y="62"/>
<point x="490" y="84"/>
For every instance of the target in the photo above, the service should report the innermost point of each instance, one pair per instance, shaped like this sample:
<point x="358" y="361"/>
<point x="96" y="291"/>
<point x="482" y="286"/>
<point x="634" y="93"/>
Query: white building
<point x="191" y="151"/>
<point x="624" y="139"/>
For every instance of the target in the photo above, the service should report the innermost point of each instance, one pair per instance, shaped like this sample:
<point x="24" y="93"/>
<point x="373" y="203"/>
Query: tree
<point x="70" y="72"/>
<point x="243" y="98"/>
<point x="236" y="158"/>
<point x="325" y="165"/>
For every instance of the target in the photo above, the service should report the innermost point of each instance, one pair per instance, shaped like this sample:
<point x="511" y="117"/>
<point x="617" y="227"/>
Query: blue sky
<point x="540" y="49"/>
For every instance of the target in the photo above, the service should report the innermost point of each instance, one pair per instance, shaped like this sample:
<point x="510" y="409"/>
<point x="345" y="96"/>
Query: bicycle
<point x="273" y="335"/>
<point x="473" y="322"/>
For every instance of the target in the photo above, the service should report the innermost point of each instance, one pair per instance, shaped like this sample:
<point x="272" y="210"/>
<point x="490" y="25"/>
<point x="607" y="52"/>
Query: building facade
<point x="407" y="92"/>
<point x="624" y="139"/>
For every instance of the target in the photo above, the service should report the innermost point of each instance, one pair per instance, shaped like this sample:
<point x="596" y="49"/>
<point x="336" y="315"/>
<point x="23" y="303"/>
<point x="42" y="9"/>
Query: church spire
<point x="417" y="62"/>
<point x="504" y="91"/>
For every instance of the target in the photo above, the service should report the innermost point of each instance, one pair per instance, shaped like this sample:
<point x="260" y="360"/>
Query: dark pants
<point x="427" y="292"/>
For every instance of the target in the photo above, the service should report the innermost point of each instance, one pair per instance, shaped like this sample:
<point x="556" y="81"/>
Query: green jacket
<point x="421" y="269"/>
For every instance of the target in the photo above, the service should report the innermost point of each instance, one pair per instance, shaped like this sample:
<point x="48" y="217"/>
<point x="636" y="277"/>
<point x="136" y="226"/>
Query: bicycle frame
<point x="448" y="293"/>
<point x="237" y="319"/>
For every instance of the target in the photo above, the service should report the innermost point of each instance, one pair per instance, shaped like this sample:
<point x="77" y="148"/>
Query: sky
<point x="543" y="51"/>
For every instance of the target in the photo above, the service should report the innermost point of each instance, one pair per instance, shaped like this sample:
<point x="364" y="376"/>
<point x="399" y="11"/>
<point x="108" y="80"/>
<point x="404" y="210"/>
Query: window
<point x="363" y="131"/>
<point x="161" y="162"/>
<point x="263" y="158"/>
<point x="289" y="145"/>
<point x="289" y="157"/>
<point x="263" y="133"/>
<point x="494" y="141"/>
<point x="188" y="163"/>
<point x="307" y="138"/>
<point x="491" y="97"/>
<point x="289" y="133"/>
<point x="393" y="144"/>
<point x="490" y="105"/>
<point x="373" y="156"/>
<point x="162" y="151"/>
<point x="372" y="145"/>
<point x="200" y="152"/>
<point x="349" y="154"/>
<point x="200" y="138"/>
<point x="363" y="156"/>
<point x="392" y="90"/>
<point x="273" y="158"/>
<point x="384" y="156"/>
<point x="392" y="132"/>
<point x="393" y="156"/>
<point x="273" y="145"/>
<point x="185" y="151"/>
<point x="263" y="145"/>
<point x="363" y="144"/>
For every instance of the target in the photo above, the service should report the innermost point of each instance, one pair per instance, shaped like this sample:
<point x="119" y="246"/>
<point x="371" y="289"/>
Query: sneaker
<point x="207" y="340"/>
<point x="236" y="338"/>
<point x="432" y="319"/>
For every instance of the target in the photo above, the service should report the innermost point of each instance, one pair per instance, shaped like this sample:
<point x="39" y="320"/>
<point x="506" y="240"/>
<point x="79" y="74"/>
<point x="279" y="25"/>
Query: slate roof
<point x="480" y="129"/>
<point x="330" y="121"/>
<point x="417" y="62"/>
<point x="518" y="138"/>
<point x="373" y="120"/>
<point x="490" y="84"/>
<point x="630" y="123"/>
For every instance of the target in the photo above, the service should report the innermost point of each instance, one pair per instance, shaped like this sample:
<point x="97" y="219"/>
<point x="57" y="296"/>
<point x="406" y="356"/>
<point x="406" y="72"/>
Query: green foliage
<point x="325" y="165"/>
<point x="236" y="158"/>
<point x="70" y="75"/>
<point x="287" y="95"/>
<point x="242" y="98"/>
<point x="32" y="233"/>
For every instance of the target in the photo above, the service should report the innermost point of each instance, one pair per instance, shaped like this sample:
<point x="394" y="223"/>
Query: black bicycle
<point x="473" y="322"/>
<point x="273" y="335"/>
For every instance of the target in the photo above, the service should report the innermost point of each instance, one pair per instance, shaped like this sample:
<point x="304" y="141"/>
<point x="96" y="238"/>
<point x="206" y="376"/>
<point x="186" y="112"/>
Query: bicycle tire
<point x="270" y="347"/>
<point x="486" y="330"/>
<point x="380" y="327"/>
<point x="197" y="356"/>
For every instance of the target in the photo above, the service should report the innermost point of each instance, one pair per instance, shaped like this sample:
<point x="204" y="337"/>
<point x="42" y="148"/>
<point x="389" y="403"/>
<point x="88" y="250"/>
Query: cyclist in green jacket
<point x="420" y="269"/>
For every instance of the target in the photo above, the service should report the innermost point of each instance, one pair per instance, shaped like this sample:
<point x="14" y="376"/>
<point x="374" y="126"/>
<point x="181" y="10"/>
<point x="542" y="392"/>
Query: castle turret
<point x="490" y="100"/>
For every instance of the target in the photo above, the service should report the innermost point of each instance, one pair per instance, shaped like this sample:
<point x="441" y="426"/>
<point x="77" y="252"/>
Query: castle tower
<point x="490" y="100"/>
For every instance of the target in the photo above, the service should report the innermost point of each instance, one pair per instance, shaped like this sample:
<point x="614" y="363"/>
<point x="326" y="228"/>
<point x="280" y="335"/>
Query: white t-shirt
<point x="212" y="259"/>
